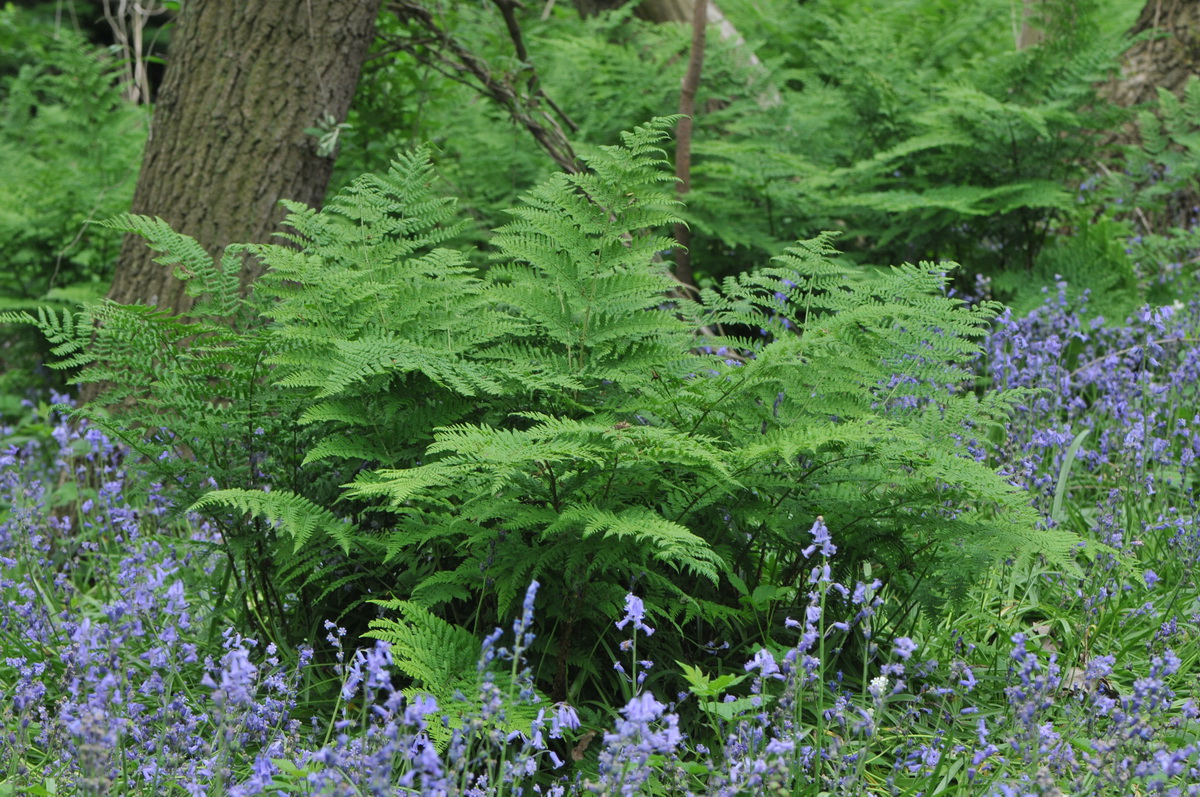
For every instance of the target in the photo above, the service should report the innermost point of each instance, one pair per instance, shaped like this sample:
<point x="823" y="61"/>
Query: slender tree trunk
<point x="227" y="141"/>
<point x="683" y="139"/>
<point x="1167" y="58"/>
<point x="682" y="11"/>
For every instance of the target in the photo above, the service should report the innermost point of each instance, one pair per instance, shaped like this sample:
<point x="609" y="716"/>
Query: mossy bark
<point x="227" y="139"/>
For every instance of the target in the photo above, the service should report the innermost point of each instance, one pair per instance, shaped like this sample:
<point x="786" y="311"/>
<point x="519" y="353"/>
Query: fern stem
<point x="910" y="600"/>
<point x="612" y="474"/>
<point x="562" y="660"/>
<point x="671" y="398"/>
<point x="733" y="388"/>
<point x="679" y="517"/>
<point x="552" y="482"/>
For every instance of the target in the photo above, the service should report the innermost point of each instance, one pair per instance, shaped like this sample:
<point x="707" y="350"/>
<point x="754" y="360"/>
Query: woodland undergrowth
<point x="380" y="425"/>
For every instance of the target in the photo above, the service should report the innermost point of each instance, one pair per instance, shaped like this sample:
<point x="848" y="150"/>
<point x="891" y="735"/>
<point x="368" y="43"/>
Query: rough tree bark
<point x="227" y="139"/>
<point x="1166" y="58"/>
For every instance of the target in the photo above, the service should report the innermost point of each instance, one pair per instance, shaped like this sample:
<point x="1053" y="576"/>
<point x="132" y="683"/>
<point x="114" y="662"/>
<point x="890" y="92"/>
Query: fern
<point x="447" y="663"/>
<point x="295" y="514"/>
<point x="69" y="151"/>
<point x="217" y="283"/>
<point x="1151" y="236"/>
<point x="856" y="418"/>
<point x="861" y="397"/>
<point x="444" y="436"/>
<point x="911" y="127"/>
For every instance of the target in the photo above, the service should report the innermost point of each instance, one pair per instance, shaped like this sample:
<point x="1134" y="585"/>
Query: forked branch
<point x="443" y="52"/>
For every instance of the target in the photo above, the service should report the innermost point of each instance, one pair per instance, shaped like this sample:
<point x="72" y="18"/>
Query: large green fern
<point x="558" y="417"/>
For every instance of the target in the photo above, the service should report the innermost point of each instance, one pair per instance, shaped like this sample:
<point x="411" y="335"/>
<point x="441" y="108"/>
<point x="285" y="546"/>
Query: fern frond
<point x="190" y="262"/>
<point x="444" y="661"/>
<point x="295" y="514"/>
<point x="441" y="657"/>
<point x="671" y="543"/>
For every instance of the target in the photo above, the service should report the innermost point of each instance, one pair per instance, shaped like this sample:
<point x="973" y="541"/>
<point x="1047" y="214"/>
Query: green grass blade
<point x="1060" y="489"/>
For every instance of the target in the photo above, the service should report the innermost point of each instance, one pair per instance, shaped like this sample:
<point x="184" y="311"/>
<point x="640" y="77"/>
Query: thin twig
<point x="523" y="109"/>
<point x="507" y="10"/>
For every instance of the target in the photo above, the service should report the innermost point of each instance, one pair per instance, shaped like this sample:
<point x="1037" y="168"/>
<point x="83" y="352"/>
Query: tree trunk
<point x="681" y="11"/>
<point x="683" y="140"/>
<point x="1167" y="58"/>
<point x="227" y="139"/>
<point x="1030" y="33"/>
<point x="664" y="11"/>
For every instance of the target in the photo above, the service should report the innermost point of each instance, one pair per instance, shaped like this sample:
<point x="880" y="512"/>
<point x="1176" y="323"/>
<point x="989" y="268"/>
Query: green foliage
<point x="402" y="102"/>
<point x="1157" y="195"/>
<point x="559" y="418"/>
<point x="919" y="142"/>
<point x="865" y="408"/>
<point x="69" y="151"/>
<point x="439" y="657"/>
<point x="1094" y="259"/>
<point x="295" y="514"/>
<point x="448" y="663"/>
<point x="190" y="394"/>
<point x="917" y="128"/>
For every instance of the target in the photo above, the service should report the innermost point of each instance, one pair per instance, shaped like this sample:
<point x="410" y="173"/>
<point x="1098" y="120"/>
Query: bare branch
<point x="507" y="10"/>
<point x="522" y="107"/>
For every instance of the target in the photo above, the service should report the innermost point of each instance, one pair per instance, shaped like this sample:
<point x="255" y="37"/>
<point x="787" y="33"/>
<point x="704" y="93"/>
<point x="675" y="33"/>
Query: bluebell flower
<point x="635" y="612"/>
<point x="904" y="647"/>
<point x="765" y="663"/>
<point x="822" y="540"/>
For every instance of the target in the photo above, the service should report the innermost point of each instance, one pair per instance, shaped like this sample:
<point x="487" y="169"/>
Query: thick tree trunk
<point x="227" y="140"/>
<point x="1167" y="58"/>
